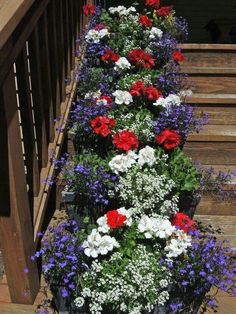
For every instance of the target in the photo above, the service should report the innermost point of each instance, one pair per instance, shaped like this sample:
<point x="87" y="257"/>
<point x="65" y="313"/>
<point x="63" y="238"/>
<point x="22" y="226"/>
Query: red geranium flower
<point x="114" y="219"/>
<point x="110" y="55"/>
<point x="153" y="3"/>
<point x="164" y="11"/>
<point x="169" y="139"/>
<point x="177" y="56"/>
<point x="107" y="99"/>
<point x="99" y="27"/>
<point x="183" y="222"/>
<point x="152" y="93"/>
<point x="144" y="20"/>
<point x="125" y="140"/>
<point x="141" y="58"/>
<point x="101" y="125"/>
<point x="89" y="9"/>
<point x="137" y="89"/>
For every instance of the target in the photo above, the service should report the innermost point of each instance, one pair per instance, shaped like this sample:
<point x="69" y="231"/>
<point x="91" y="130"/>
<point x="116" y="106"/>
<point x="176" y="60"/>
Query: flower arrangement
<point x="135" y="248"/>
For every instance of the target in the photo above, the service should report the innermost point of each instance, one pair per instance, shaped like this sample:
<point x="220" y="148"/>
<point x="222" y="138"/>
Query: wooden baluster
<point x="67" y="40"/>
<point x="16" y="232"/>
<point x="22" y="73"/>
<point x="51" y="17"/>
<point x="38" y="98"/>
<point x="60" y="49"/>
<point x="46" y="76"/>
<point x="72" y="25"/>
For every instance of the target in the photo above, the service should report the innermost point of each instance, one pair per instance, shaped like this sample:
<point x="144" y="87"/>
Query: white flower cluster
<point x="95" y="36"/>
<point x="141" y="277"/>
<point x="122" y="64"/>
<point x="171" y="100"/>
<point x="178" y="244"/>
<point x="98" y="245"/>
<point x="121" y="10"/>
<point x="123" y="162"/>
<point x="155" y="33"/>
<point x="103" y="227"/>
<point x="155" y="226"/>
<point x="185" y="93"/>
<point x="146" y="191"/>
<point x="122" y="97"/>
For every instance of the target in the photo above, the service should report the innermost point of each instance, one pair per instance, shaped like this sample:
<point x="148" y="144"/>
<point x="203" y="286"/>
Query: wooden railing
<point x="37" y="56"/>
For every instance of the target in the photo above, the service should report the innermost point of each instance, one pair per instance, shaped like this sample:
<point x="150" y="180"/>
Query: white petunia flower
<point x="122" y="64"/>
<point x="121" y="163"/>
<point x="155" y="33"/>
<point x="146" y="156"/>
<point x="97" y="244"/>
<point x="128" y="214"/>
<point x="103" y="226"/>
<point x="155" y="227"/>
<point x="171" y="100"/>
<point x="178" y="244"/>
<point x="122" y="97"/>
<point x="94" y="35"/>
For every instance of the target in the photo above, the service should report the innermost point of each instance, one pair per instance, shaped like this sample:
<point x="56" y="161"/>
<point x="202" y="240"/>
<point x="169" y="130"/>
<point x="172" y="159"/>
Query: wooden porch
<point x="37" y="86"/>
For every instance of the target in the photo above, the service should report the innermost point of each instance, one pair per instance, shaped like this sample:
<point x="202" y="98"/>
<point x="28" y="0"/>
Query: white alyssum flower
<point x="170" y="100"/>
<point x="92" y="95"/>
<point x="178" y="244"/>
<point x="121" y="10"/>
<point x="122" y="97"/>
<point x="98" y="245"/>
<point x="155" y="227"/>
<point x="185" y="93"/>
<point x="146" y="156"/>
<point x="122" y="64"/>
<point x="79" y="302"/>
<point x="121" y="163"/>
<point x="155" y="33"/>
<point x="95" y="36"/>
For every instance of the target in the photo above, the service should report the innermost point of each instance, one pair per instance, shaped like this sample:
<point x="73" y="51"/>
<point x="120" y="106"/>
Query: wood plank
<point x="218" y="114"/>
<point x="11" y="13"/>
<point x="213" y="84"/>
<point x="16" y="227"/>
<point x="12" y="48"/>
<point x="215" y="133"/>
<point x="67" y="54"/>
<point x="16" y="309"/>
<point x="203" y="59"/>
<point x="208" y="47"/>
<point x="217" y="153"/>
<point x="205" y="98"/>
<point x="22" y="74"/>
<point x="46" y="77"/>
<point x="207" y="70"/>
<point x="38" y="98"/>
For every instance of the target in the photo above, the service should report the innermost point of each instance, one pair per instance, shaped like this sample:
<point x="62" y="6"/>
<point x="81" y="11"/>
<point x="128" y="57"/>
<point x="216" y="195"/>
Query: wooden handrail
<point x="11" y="12"/>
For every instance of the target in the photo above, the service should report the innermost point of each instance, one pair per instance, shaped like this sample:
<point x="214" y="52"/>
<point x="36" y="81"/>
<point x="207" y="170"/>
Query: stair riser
<point x="208" y="153"/>
<point x="210" y="59"/>
<point x="213" y="84"/>
<point x="218" y="115"/>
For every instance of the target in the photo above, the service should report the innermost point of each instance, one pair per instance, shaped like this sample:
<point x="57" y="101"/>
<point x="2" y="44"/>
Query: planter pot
<point x="188" y="203"/>
<point x="69" y="196"/>
<point x="60" y="303"/>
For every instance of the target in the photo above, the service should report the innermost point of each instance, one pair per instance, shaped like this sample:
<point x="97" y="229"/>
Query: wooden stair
<point x="212" y="73"/>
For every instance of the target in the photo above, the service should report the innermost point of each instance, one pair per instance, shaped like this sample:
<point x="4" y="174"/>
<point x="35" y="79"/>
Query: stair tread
<point x="215" y="133"/>
<point x="204" y="98"/>
<point x="207" y="70"/>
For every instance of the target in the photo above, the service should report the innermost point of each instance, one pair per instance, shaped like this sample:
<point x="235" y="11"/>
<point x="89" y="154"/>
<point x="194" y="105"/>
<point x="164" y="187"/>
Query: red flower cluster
<point x="183" y="222"/>
<point x="89" y="9"/>
<point x="114" y="219"/>
<point x="106" y="98"/>
<point x="141" y="58"/>
<point x="177" y="56"/>
<point x="153" y="3"/>
<point x="101" y="125"/>
<point x="125" y="140"/>
<point x="99" y="27"/>
<point x="164" y="11"/>
<point x="138" y="89"/>
<point x="169" y="139"/>
<point x="144" y="20"/>
<point x="110" y="56"/>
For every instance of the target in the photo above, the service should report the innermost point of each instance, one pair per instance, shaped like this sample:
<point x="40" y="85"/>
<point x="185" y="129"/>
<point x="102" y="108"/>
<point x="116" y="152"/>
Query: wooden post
<point x="16" y="232"/>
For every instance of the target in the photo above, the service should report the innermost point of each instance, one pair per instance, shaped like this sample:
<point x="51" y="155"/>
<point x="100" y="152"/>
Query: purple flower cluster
<point x="179" y="118"/>
<point x="209" y="264"/>
<point x="62" y="258"/>
<point x="181" y="25"/>
<point x="163" y="48"/>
